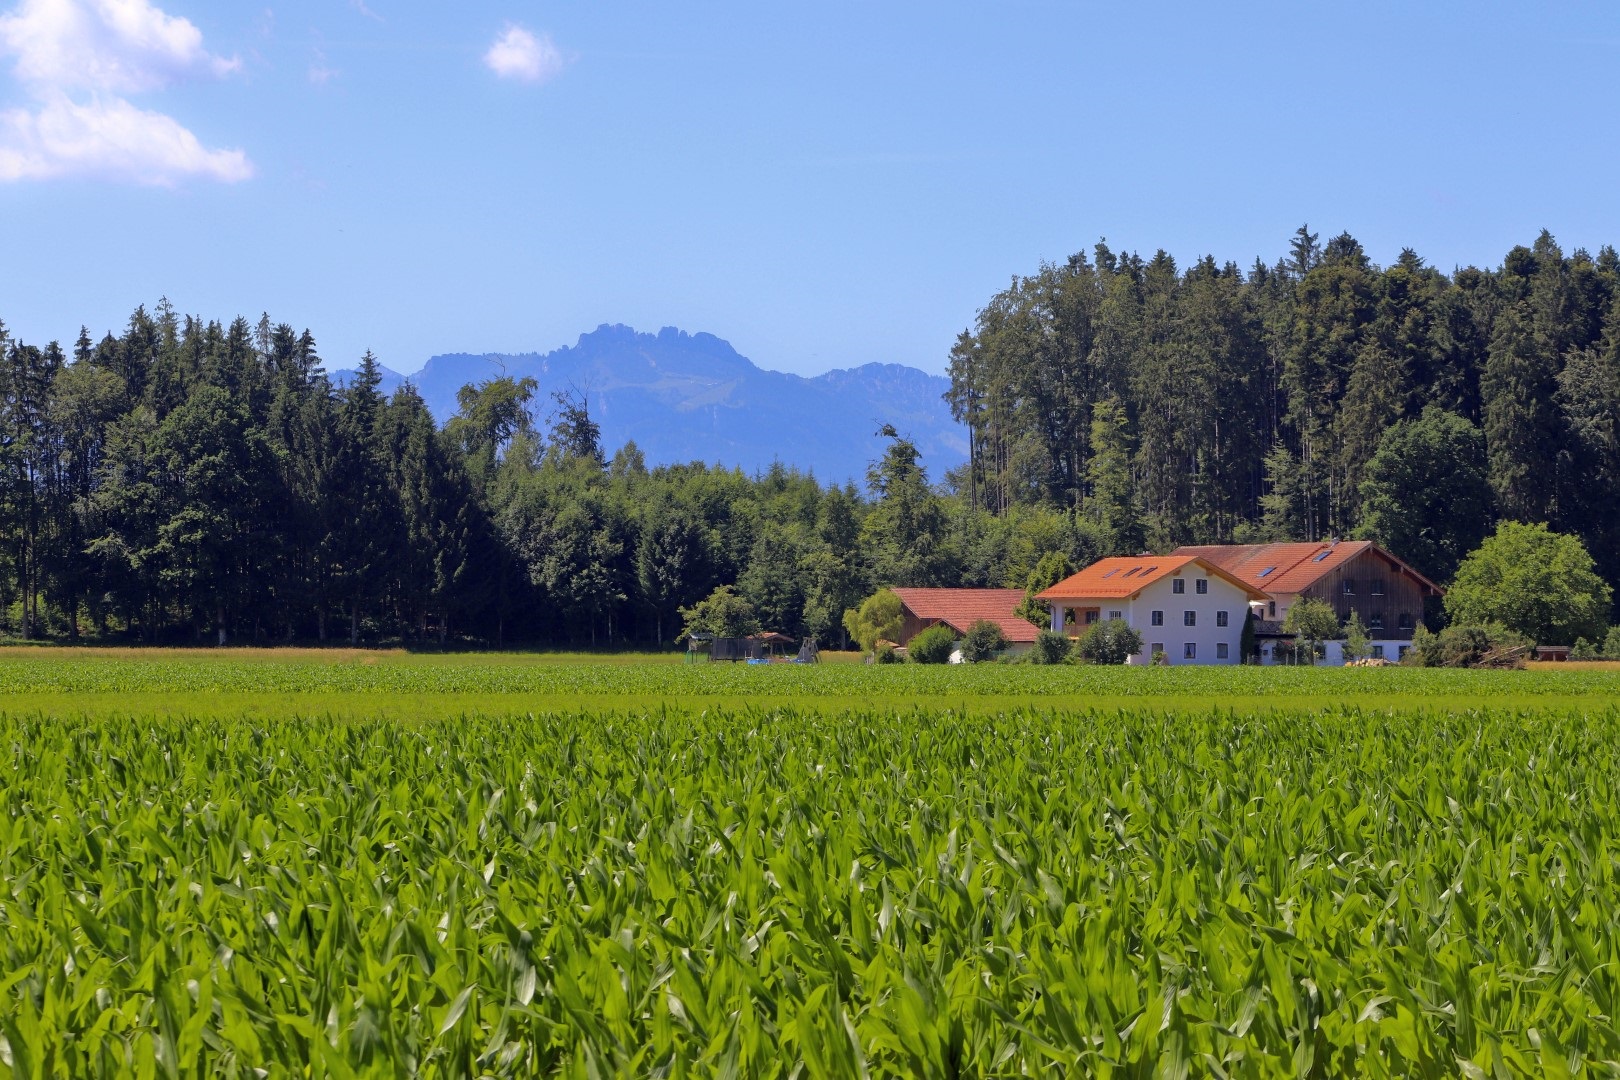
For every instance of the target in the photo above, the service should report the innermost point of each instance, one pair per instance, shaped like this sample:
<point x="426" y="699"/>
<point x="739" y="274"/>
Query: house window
<point x="1378" y="586"/>
<point x="1178" y="586"/>
<point x="1189" y="651"/>
<point x="1271" y="609"/>
<point x="1376" y="622"/>
<point x="1349" y="586"/>
<point x="1221" y="651"/>
<point x="1116" y="614"/>
<point x="1402" y="650"/>
<point x="1201" y="585"/>
<point x="1406" y="620"/>
<point x="1158" y="648"/>
<point x="1091" y="616"/>
<point x="1158" y="618"/>
<point x="1189" y="618"/>
<point x="1378" y="652"/>
<point x="1220" y="618"/>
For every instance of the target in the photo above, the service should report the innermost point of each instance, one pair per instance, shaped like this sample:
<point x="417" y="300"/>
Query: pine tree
<point x="1374" y="399"/>
<point x="1280" y="517"/>
<point x="361" y="513"/>
<point x="1112" y="502"/>
<point x="673" y="564"/>
<point x="1522" y="429"/>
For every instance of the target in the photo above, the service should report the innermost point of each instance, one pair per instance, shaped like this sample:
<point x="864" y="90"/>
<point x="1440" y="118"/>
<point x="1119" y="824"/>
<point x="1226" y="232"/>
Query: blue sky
<point x="823" y="185"/>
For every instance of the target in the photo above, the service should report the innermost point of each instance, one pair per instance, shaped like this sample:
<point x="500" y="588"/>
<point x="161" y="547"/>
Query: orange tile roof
<point x="1293" y="568"/>
<point x="1124" y="576"/>
<point x="961" y="608"/>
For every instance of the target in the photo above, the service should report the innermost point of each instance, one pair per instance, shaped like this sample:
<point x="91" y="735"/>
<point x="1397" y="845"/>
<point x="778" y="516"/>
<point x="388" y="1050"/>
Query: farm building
<point x="1186" y="608"/>
<point x="1351" y="575"/>
<point x="960" y="609"/>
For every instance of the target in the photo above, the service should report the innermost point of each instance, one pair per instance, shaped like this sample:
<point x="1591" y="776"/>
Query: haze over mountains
<point x="692" y="397"/>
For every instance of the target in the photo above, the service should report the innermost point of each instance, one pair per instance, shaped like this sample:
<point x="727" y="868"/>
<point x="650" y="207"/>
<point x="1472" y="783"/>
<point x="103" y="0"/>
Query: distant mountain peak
<point x="692" y="397"/>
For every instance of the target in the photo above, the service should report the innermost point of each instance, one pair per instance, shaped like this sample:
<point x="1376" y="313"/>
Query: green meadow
<point x="383" y="864"/>
<point x="273" y="684"/>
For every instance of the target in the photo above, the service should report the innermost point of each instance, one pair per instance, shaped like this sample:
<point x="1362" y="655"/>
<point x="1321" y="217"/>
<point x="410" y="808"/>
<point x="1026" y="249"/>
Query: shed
<point x="960" y="609"/>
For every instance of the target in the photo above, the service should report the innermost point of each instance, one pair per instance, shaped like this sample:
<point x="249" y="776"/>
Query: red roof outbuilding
<point x="961" y="608"/>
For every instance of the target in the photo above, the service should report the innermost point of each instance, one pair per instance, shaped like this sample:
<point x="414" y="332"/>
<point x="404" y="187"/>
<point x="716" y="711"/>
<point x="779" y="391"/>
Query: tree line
<point x="189" y="480"/>
<point x="193" y="480"/>
<point x="1319" y="396"/>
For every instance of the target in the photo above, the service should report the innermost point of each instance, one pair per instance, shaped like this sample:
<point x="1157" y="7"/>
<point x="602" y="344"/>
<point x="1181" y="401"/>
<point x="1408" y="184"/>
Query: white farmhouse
<point x="1185" y="607"/>
<point x="1352" y="577"/>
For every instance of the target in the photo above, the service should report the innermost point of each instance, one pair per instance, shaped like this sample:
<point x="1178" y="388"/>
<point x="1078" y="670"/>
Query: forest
<point x="197" y="481"/>
<point x="1318" y="397"/>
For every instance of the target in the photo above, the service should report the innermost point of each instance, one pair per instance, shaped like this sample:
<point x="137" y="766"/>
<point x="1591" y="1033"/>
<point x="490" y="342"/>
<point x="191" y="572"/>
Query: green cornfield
<point x="803" y="887"/>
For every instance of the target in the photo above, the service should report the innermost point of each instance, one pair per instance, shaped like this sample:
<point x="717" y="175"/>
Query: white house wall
<point x="1175" y="635"/>
<point x="1390" y="649"/>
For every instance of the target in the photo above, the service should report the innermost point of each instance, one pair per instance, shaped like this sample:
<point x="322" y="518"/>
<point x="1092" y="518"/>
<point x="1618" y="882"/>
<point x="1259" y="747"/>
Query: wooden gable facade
<point x="1387" y="596"/>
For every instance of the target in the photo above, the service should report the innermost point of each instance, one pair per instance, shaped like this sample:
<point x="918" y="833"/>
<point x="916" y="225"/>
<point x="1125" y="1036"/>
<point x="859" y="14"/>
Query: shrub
<point x="1425" y="649"/>
<point x="983" y="641"/>
<point x="1611" y="644"/>
<point x="885" y="654"/>
<point x="1478" y="645"/>
<point x="1110" y="641"/>
<point x="1584" y="650"/>
<point x="933" y="646"/>
<point x="1051" y="647"/>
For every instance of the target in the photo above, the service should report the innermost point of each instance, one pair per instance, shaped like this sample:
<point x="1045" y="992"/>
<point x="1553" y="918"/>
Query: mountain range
<point x="692" y="397"/>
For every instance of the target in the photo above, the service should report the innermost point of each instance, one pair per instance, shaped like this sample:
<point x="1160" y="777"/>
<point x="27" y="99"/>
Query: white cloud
<point x="108" y="138"/>
<point x="103" y="49"/>
<point x="519" y="54"/>
<point x="125" y="46"/>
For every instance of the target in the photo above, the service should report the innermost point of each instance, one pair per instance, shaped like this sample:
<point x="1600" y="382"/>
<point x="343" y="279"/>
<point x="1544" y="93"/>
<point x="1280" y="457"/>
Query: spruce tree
<point x="1522" y="428"/>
